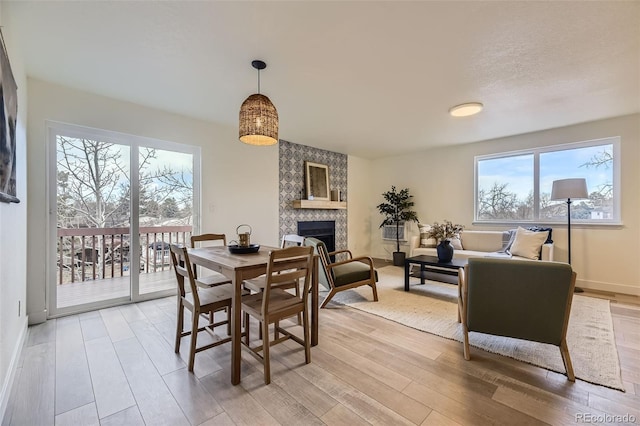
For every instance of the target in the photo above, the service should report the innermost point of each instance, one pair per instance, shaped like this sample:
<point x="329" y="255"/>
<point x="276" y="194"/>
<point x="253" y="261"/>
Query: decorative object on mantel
<point x="565" y="190"/>
<point x="443" y="233"/>
<point x="316" y="181"/>
<point x="258" y="116"/>
<point x="9" y="99"/>
<point x="396" y="210"/>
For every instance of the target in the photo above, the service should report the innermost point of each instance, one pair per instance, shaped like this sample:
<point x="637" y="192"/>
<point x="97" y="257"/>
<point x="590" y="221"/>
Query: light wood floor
<point x="117" y="367"/>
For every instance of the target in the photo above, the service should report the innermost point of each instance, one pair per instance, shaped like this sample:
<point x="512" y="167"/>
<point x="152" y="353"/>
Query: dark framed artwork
<point x="8" y="117"/>
<point x="317" y="180"/>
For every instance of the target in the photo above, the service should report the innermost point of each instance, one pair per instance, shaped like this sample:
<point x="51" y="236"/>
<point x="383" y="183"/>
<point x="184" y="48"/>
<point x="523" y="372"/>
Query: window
<point x="516" y="186"/>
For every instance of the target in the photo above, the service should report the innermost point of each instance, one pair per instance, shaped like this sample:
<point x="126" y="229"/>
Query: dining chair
<point x="274" y="304"/>
<point x="200" y="301"/>
<point x="287" y="241"/>
<point x="216" y="278"/>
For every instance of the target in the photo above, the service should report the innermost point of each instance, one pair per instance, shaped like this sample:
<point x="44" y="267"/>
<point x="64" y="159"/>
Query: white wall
<point x="441" y="180"/>
<point x="239" y="182"/>
<point x="13" y="242"/>
<point x="359" y="211"/>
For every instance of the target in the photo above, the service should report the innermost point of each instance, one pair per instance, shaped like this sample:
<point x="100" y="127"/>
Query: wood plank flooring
<point x="117" y="367"/>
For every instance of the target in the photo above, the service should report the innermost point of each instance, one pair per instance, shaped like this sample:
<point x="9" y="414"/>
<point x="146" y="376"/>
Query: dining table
<point x="240" y="267"/>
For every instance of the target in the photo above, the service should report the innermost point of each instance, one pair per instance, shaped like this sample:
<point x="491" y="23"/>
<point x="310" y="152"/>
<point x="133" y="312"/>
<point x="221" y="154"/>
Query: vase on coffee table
<point x="445" y="251"/>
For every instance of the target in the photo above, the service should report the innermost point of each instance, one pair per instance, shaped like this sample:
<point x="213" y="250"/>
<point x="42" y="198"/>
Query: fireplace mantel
<point x="319" y="204"/>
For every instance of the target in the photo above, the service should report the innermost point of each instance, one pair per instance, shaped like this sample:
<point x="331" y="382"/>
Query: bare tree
<point x="94" y="182"/>
<point x="497" y="202"/>
<point x="604" y="159"/>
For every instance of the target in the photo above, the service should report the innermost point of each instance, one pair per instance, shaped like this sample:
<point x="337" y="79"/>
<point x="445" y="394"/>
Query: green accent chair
<point x="517" y="298"/>
<point x="343" y="275"/>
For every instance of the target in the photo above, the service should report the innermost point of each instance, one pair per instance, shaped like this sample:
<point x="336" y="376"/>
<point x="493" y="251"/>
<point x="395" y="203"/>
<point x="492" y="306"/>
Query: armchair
<point x="517" y="298"/>
<point x="343" y="275"/>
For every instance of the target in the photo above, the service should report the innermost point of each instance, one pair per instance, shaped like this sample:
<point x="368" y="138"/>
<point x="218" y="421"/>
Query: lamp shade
<point x="574" y="188"/>
<point x="258" y="121"/>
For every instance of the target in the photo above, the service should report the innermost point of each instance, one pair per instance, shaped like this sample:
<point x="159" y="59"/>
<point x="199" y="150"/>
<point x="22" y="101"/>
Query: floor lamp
<point x="566" y="190"/>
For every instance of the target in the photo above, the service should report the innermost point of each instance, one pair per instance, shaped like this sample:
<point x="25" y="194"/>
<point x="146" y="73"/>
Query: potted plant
<point x="396" y="210"/>
<point x="443" y="234"/>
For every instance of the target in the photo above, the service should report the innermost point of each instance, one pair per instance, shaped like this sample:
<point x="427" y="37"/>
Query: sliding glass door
<point x="117" y="202"/>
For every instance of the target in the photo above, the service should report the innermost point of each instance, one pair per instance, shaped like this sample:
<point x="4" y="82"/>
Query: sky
<point x="518" y="171"/>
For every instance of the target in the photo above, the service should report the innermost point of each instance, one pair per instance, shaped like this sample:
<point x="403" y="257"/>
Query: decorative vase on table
<point x="445" y="251"/>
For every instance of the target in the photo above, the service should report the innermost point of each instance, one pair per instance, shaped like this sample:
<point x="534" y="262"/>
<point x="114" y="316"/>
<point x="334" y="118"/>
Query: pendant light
<point x="258" y="117"/>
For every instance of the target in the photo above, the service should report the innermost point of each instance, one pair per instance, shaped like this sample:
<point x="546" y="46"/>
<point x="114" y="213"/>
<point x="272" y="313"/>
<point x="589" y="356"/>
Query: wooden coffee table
<point x="431" y="264"/>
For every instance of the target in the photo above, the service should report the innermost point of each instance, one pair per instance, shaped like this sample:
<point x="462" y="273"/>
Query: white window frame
<point x="615" y="220"/>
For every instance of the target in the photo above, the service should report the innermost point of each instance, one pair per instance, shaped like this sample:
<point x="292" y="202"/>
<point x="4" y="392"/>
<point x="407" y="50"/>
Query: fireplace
<point x="324" y="230"/>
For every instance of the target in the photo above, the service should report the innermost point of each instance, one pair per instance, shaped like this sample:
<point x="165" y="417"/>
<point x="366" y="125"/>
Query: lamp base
<point x="578" y="290"/>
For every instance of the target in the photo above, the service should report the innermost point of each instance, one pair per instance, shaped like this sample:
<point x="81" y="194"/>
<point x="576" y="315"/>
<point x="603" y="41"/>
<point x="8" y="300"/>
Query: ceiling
<point x="369" y="79"/>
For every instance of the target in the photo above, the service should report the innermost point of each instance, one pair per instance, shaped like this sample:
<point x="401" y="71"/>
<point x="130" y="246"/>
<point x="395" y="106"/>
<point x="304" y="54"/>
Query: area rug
<point x="433" y="308"/>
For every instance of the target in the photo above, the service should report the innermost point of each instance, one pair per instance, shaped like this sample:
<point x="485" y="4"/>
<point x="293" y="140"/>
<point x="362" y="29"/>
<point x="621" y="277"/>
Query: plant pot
<point x="445" y="251"/>
<point x="398" y="258"/>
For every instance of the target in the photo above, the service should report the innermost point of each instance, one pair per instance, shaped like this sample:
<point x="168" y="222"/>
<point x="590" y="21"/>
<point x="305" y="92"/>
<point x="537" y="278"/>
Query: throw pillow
<point x="528" y="243"/>
<point x="425" y="241"/>
<point x="541" y="229"/>
<point x="507" y="240"/>
<point x="456" y="243"/>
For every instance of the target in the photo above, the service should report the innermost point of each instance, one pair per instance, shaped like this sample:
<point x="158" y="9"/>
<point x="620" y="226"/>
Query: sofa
<point x="489" y="244"/>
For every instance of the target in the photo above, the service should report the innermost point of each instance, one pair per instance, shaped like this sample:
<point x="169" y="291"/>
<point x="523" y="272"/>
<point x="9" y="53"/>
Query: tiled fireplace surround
<point x="292" y="158"/>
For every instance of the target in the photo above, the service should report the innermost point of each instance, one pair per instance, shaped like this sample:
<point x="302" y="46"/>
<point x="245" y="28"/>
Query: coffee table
<point x="432" y="264"/>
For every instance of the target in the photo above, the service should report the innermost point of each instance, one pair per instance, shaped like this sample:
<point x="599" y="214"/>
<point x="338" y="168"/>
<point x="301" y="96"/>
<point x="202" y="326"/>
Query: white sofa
<point x="476" y="244"/>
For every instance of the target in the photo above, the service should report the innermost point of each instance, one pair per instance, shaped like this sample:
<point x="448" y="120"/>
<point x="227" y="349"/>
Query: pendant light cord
<point x="258" y="81"/>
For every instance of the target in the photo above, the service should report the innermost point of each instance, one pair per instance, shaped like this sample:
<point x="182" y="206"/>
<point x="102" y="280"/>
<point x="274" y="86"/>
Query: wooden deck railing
<point x="95" y="253"/>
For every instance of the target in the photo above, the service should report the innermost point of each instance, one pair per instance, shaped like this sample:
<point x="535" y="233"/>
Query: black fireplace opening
<point x="324" y="230"/>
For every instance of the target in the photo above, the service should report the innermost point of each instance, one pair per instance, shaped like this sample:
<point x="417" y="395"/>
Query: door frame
<point x="53" y="128"/>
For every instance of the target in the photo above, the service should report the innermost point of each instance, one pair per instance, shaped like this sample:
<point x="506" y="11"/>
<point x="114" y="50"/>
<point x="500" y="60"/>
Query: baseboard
<point x="608" y="287"/>
<point x="11" y="373"/>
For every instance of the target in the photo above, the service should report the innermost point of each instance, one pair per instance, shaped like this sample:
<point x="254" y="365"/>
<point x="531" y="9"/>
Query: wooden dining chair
<point x="255" y="286"/>
<point x="200" y="301"/>
<point x="274" y="304"/>
<point x="216" y="278"/>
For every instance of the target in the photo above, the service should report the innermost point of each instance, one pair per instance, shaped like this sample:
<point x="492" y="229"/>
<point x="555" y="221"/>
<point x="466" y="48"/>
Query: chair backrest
<point x="184" y="271"/>
<point x="208" y="237"/>
<point x="519" y="298"/>
<point x="195" y="239"/>
<point x="320" y="249"/>
<point x="285" y="265"/>
<point x="292" y="239"/>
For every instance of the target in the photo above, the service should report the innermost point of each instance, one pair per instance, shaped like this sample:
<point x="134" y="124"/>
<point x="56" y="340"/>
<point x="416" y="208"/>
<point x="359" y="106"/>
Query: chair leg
<point x="465" y="333"/>
<point x="194" y="337"/>
<point x="375" y="291"/>
<point x="180" y="325"/>
<point x="307" y="339"/>
<point x="564" y="351"/>
<point x="247" y="326"/>
<point x="328" y="298"/>
<point x="265" y="352"/>
<point x="276" y="334"/>
<point x="298" y="296"/>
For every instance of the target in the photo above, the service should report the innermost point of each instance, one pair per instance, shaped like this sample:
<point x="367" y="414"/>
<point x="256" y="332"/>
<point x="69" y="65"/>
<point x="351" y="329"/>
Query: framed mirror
<point x="317" y="180"/>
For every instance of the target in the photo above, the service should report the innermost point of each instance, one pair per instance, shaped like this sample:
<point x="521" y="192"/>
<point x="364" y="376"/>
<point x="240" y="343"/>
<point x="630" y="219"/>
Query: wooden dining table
<point x="240" y="267"/>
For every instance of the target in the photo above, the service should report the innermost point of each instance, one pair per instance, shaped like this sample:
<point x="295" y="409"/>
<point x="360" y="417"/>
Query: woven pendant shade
<point x="258" y="121"/>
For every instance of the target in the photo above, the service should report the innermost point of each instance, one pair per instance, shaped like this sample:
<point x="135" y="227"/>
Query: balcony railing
<point x="86" y="254"/>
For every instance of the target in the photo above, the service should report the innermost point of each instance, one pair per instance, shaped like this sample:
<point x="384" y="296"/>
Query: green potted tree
<point x="396" y="210"/>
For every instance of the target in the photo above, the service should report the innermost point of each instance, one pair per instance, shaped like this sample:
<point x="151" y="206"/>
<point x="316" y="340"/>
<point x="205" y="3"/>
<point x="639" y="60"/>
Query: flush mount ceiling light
<point x="465" y="110"/>
<point x="258" y="117"/>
